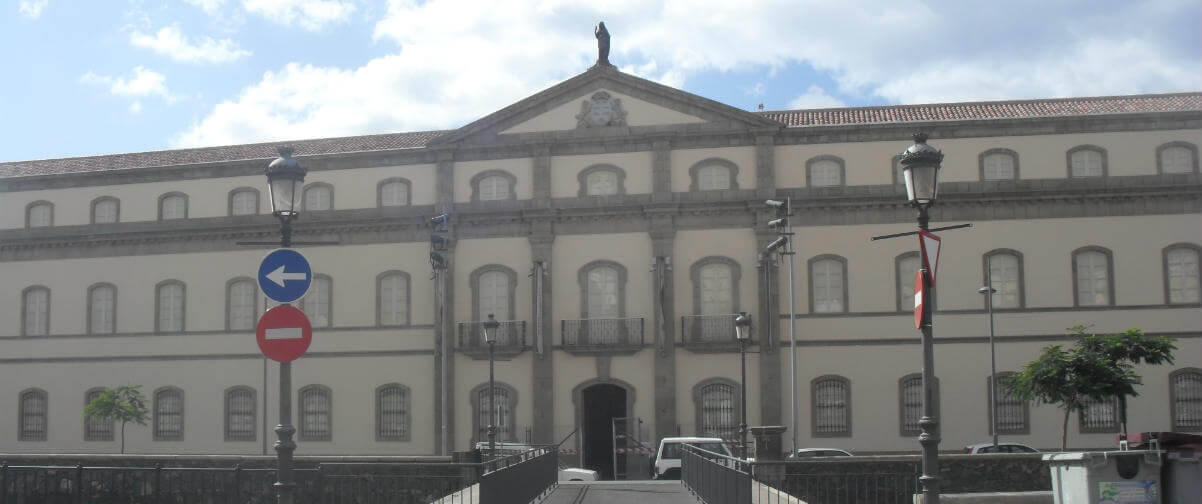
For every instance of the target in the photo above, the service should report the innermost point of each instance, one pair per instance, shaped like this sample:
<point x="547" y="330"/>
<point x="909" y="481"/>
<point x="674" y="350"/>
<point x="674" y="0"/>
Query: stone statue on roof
<point x="602" y="44"/>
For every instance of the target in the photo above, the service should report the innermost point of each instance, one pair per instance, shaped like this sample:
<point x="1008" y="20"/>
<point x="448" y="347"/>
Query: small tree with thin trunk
<point x="125" y="403"/>
<point x="1097" y="367"/>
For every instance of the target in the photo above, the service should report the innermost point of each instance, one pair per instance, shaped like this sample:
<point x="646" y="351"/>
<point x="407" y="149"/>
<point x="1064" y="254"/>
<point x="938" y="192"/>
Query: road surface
<point x="621" y="492"/>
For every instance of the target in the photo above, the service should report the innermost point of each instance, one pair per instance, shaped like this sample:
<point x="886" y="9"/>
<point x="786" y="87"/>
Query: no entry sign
<point x="284" y="333"/>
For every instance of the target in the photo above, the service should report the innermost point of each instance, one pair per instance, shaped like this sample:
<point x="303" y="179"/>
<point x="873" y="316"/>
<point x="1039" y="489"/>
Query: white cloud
<point x="210" y="7"/>
<point x="815" y="97"/>
<point x="311" y="15"/>
<point x="141" y="82"/>
<point x="171" y="42"/>
<point x="32" y="9"/>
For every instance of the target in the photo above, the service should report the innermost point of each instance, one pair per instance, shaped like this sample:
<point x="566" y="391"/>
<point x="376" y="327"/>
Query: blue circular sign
<point x="284" y="275"/>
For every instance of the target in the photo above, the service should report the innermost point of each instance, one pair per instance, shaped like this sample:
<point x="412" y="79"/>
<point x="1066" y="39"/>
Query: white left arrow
<point x="279" y="276"/>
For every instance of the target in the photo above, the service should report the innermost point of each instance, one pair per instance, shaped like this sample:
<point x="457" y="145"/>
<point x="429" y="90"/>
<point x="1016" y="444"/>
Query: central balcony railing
<point x="709" y="332"/>
<point x="511" y="339"/>
<point x="602" y="335"/>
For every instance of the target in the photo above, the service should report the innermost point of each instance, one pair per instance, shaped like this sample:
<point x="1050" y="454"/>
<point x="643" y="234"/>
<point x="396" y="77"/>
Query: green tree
<point x="1097" y="367"/>
<point x="125" y="403"/>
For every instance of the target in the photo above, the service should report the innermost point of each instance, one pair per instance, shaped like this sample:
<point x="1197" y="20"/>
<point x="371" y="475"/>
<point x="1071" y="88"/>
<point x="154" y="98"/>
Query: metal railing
<point x="835" y="486"/>
<point x="611" y="332"/>
<point x="715" y="478"/>
<point x="511" y="334"/>
<point x="520" y="478"/>
<point x="708" y="330"/>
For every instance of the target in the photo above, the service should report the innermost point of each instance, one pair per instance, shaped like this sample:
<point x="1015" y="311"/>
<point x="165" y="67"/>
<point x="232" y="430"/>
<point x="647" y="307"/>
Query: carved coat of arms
<point x="601" y="110"/>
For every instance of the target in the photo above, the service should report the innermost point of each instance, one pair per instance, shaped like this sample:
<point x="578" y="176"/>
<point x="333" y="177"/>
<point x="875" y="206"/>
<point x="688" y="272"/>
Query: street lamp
<point x="285" y="177"/>
<point x="784" y="227"/>
<point x="920" y="167"/>
<point x="988" y="291"/>
<point x="743" y="334"/>
<point x="490" y="337"/>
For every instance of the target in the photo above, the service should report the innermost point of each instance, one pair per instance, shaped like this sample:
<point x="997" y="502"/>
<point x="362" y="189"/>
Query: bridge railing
<point x="715" y="478"/>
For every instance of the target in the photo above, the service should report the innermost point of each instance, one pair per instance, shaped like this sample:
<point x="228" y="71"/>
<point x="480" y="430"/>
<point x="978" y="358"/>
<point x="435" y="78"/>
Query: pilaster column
<point x="542" y="176"/>
<point x="661" y="170"/>
<point x="765" y="164"/>
<point x="663" y="236"/>
<point x="542" y="331"/>
<point x="444" y="318"/>
<point x="768" y="327"/>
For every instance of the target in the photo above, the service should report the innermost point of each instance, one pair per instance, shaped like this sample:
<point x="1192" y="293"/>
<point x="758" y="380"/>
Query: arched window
<point x="1185" y="397"/>
<point x="1005" y="274"/>
<point x="713" y="174"/>
<point x="173" y="205"/>
<point x="906" y="267"/>
<point x="1013" y="414"/>
<point x="393" y="192"/>
<point x="715" y="286"/>
<point x="828" y="284"/>
<point x="241" y="304"/>
<point x="1177" y="157"/>
<point x="169" y="306"/>
<point x="504" y="400"/>
<point x="909" y="401"/>
<point x="240" y="414"/>
<point x="493" y="185"/>
<point x="317" y="302"/>
<point x="168" y="414"/>
<point x="831" y="408"/>
<point x="102" y="309"/>
<point x="1182" y="278"/>
<point x="39" y="214"/>
<point x="316" y="410"/>
<point x="96" y="429"/>
<point x="319" y="196"/>
<point x="824" y="171"/>
<point x="392" y="412"/>
<point x="717" y="404"/>
<point x="35" y="311"/>
<point x="106" y="210"/>
<point x="604" y="284"/>
<point x="32" y="414"/>
<point x="602" y="180"/>
<point x="244" y="201"/>
<point x="999" y="164"/>
<point x="1099" y="416"/>
<point x="1092" y="272"/>
<point x="493" y="290"/>
<point x="1086" y="161"/>
<point x="392" y="293"/>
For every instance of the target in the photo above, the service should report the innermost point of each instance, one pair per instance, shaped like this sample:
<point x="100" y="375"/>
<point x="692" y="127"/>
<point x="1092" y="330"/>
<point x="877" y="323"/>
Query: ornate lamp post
<point x="285" y="178"/>
<point x="920" y="167"/>
<point x="989" y="291"/>
<point x="743" y="335"/>
<point x="490" y="337"/>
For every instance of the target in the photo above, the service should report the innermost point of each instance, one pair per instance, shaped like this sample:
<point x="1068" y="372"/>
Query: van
<point x="667" y="457"/>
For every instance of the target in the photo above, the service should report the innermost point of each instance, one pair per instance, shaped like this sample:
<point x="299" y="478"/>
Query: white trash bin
<point x="1109" y="477"/>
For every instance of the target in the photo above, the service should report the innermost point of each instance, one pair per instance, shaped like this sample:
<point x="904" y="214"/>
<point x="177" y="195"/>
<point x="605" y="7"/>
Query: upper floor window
<point x="244" y="201"/>
<point x="1185" y="398"/>
<point x="907" y="266"/>
<point x="909" y="399"/>
<point x="106" y="210"/>
<point x="493" y="185"/>
<point x="173" y="205"/>
<point x="604" y="290"/>
<point x="39" y="214"/>
<point x="715" y="286"/>
<point x="1092" y="271"/>
<point x="1099" y="416"/>
<point x="1177" y="157"/>
<point x="713" y="174"/>
<point x="392" y="412"/>
<point x="316" y="303"/>
<point x="169" y="306"/>
<point x="168" y="414"/>
<point x="1013" y="414"/>
<point x="831" y="410"/>
<point x="241" y="303"/>
<point x="1005" y="275"/>
<point x="899" y="177"/>
<point x="32" y="415"/>
<point x="392" y="291"/>
<point x="493" y="289"/>
<point x="240" y="414"/>
<point x="602" y="180"/>
<point x="96" y="429"/>
<point x="1182" y="277"/>
<point x="999" y="164"/>
<point x="102" y="309"/>
<point x="319" y="196"/>
<point x="35" y="311"/>
<point x="1087" y="161"/>
<point x="498" y="410"/>
<point x="316" y="412"/>
<point x="717" y="403"/>
<point x="828" y="284"/>
<point x="393" y="192"/>
<point x="824" y="171"/>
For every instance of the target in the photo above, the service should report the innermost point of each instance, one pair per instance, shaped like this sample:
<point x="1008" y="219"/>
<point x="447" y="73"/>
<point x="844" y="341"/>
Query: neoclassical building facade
<point x="614" y="226"/>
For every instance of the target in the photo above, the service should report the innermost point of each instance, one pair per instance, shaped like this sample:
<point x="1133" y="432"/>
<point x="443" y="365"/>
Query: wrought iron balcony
<point x="511" y="339"/>
<point x="616" y="335"/>
<point x="709" y="333"/>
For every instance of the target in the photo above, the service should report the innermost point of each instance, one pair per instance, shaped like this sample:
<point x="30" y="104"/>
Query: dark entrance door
<point x="602" y="403"/>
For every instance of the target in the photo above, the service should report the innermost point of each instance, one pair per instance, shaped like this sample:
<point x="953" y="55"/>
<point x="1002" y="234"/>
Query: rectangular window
<point x="37" y="311"/>
<point x="1093" y="278"/>
<point x="832" y="407"/>
<point x="102" y="313"/>
<point x="241" y="299"/>
<point x="1183" y="276"/>
<point x="826" y="277"/>
<point x="392" y="413"/>
<point x="1086" y="163"/>
<point x="1004" y="278"/>
<point x="316" y="303"/>
<point x="240" y="414"/>
<point x="171" y="307"/>
<point x="315" y="414"/>
<point x="244" y="203"/>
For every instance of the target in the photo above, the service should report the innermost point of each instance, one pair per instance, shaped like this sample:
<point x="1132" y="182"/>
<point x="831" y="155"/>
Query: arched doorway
<point x="600" y="404"/>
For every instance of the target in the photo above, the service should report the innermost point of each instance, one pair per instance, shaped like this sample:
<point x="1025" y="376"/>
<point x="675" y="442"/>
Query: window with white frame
<point x="494" y="292"/>
<point x="315" y="413"/>
<point x="716" y="289"/>
<point x="393" y="293"/>
<point x="718" y="415"/>
<point x="40" y="214"/>
<point x="825" y="173"/>
<point x="394" y="193"/>
<point x="96" y="429"/>
<point x="241" y="303"/>
<point x="319" y="197"/>
<point x="1005" y="276"/>
<point x="102" y="309"/>
<point x="494" y="188"/>
<point x="998" y="166"/>
<point x="1185" y="394"/>
<point x="392" y="412"/>
<point x="831" y="409"/>
<point x="1099" y="415"/>
<point x="1086" y="162"/>
<point x="1182" y="277"/>
<point x="1177" y="159"/>
<point x="244" y="202"/>
<point x="173" y="206"/>
<point x="32" y="415"/>
<point x="35" y="311"/>
<point x="168" y="414"/>
<point x="500" y="408"/>
<point x="601" y="183"/>
<point x="828" y="285"/>
<point x="908" y="265"/>
<point x="316" y="303"/>
<point x="170" y="307"/>
<point x="106" y="210"/>
<point x="1013" y="414"/>
<point x="603" y="292"/>
<point x="713" y="177"/>
<point x="240" y="414"/>
<point x="1093" y="278"/>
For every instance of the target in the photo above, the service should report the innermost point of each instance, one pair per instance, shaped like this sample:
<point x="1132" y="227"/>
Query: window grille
<point x="1012" y="413"/>
<point x="392" y="413"/>
<point x="831" y="407"/>
<point x="1185" y="392"/>
<point x="1183" y="277"/>
<point x="719" y="416"/>
<point x="32" y="411"/>
<point x="240" y="414"/>
<point x="911" y="405"/>
<point x="96" y="429"/>
<point x="315" y="413"/>
<point x="36" y="310"/>
<point x="1099" y="416"/>
<point x="503" y="411"/>
<point x="169" y="414"/>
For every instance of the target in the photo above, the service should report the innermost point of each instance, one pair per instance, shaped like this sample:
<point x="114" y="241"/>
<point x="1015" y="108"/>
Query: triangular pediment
<point x="604" y="102"/>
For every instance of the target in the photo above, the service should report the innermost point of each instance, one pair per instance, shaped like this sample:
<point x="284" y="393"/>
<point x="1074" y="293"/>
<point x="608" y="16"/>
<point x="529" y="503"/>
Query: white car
<point x="667" y="457"/>
<point x="1001" y="448"/>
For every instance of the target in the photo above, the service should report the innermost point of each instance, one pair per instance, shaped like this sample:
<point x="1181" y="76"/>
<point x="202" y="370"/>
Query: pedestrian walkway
<point x="620" y="492"/>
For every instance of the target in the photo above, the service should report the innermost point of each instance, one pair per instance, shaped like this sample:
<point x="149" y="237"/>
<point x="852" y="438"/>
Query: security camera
<point x="775" y="203"/>
<point x="440" y="219"/>
<point x="777" y="243"/>
<point x="775" y="223"/>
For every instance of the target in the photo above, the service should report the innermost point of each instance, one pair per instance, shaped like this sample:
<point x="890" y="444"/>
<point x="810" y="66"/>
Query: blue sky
<point x="105" y="76"/>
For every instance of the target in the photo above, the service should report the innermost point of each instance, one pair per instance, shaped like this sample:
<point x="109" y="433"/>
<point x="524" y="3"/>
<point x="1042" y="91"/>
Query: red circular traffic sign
<point x="284" y="333"/>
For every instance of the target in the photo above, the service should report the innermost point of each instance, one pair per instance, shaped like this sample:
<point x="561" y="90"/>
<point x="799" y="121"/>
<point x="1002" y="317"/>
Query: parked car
<point x="667" y="457"/>
<point x="1001" y="448"/>
<point x="805" y="453"/>
<point x="566" y="473"/>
